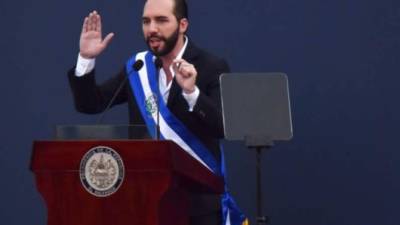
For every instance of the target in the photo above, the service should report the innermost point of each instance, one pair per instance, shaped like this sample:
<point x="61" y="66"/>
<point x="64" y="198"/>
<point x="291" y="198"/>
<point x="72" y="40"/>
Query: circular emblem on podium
<point x="101" y="171"/>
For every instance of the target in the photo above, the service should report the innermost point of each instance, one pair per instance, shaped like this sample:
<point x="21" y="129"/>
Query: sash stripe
<point x="139" y="93"/>
<point x="201" y="152"/>
<point x="145" y="87"/>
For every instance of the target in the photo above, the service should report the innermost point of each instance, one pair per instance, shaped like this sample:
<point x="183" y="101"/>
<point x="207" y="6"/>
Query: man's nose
<point x="153" y="28"/>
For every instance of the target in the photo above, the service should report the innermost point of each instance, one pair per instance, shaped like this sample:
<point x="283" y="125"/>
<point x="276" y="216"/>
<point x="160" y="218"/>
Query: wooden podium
<point x="154" y="191"/>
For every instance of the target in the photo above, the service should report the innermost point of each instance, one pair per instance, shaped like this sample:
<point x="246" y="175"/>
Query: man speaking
<point x="177" y="78"/>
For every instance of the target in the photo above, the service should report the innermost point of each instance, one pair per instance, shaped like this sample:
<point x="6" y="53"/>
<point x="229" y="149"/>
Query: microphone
<point x="136" y="66"/>
<point x="158" y="63"/>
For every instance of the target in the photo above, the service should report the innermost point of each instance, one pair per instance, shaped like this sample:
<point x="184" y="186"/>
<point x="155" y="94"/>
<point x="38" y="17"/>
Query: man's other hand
<point x="185" y="75"/>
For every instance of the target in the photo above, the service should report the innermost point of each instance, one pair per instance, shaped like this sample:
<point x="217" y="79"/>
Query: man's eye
<point x="162" y="20"/>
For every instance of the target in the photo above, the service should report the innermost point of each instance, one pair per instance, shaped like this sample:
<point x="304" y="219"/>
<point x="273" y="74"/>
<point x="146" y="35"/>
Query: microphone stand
<point x="136" y="66"/>
<point x="157" y="128"/>
<point x="158" y="63"/>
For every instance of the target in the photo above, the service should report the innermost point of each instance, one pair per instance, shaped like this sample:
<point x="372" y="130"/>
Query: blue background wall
<point x="343" y="164"/>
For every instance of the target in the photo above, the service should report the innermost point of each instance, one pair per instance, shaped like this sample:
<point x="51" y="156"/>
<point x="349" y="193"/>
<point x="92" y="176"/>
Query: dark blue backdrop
<point x="342" y="166"/>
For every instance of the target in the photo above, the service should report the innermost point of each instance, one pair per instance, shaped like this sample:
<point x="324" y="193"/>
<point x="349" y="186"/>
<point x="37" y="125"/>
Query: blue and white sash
<point x="145" y="87"/>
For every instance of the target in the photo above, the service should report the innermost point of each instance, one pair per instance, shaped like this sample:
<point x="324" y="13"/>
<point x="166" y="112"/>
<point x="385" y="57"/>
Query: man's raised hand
<point x="91" y="43"/>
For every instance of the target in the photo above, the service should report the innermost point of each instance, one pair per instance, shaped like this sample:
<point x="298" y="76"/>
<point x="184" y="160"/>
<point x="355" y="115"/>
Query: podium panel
<point x="155" y="181"/>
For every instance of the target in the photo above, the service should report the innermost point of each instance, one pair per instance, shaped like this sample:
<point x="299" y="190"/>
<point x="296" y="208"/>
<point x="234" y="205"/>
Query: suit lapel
<point x="173" y="92"/>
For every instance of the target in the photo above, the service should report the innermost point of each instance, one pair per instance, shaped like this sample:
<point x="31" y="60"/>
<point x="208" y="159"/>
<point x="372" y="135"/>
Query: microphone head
<point x="138" y="65"/>
<point x="158" y="63"/>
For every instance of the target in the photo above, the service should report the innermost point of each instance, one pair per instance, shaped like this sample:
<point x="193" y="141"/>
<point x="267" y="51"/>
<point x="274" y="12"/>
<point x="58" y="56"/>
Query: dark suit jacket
<point x="205" y="121"/>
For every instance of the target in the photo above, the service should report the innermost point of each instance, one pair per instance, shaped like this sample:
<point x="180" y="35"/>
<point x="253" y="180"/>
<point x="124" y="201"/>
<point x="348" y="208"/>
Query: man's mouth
<point x="155" y="42"/>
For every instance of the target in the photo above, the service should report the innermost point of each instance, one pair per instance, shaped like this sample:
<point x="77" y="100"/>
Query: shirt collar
<point x="180" y="54"/>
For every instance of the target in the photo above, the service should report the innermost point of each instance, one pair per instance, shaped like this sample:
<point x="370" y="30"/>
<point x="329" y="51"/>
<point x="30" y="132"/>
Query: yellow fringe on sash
<point x="246" y="222"/>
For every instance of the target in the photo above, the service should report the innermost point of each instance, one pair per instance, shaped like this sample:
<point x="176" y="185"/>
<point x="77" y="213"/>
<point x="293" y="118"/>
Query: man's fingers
<point x="178" y="62"/>
<point x="186" y="71"/>
<point x="175" y="67"/>
<point x="95" y="19"/>
<point x="98" y="23"/>
<point x="85" y="25"/>
<point x="89" y="22"/>
<point x="108" y="39"/>
<point x="183" y="68"/>
<point x="92" y="21"/>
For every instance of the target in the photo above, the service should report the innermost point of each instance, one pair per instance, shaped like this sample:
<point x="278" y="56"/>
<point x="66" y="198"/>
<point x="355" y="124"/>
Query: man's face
<point x="160" y="27"/>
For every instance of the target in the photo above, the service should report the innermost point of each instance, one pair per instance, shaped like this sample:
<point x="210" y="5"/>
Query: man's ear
<point x="183" y="25"/>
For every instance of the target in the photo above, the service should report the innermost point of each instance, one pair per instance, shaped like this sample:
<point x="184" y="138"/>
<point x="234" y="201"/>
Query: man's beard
<point x="169" y="43"/>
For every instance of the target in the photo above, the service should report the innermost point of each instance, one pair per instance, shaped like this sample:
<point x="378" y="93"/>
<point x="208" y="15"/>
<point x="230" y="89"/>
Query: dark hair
<point x="181" y="9"/>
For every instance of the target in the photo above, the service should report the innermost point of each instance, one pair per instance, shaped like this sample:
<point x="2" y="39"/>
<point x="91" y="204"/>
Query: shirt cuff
<point x="192" y="98"/>
<point x="84" y="66"/>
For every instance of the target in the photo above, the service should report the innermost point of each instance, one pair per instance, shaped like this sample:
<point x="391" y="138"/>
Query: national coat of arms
<point x="101" y="171"/>
<point x="151" y="104"/>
